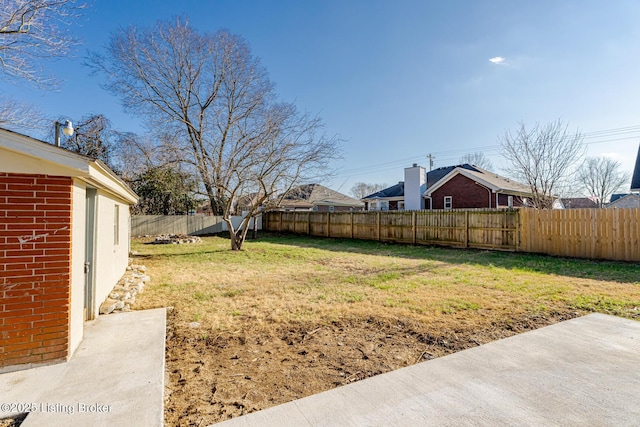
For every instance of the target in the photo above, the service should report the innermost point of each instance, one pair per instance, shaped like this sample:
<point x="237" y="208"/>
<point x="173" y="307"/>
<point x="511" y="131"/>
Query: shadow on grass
<point x="615" y="271"/>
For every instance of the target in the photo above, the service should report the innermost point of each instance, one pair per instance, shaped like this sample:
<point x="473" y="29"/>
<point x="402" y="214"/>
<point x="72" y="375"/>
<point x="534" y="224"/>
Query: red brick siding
<point x="466" y="194"/>
<point x="504" y="201"/>
<point x="35" y="273"/>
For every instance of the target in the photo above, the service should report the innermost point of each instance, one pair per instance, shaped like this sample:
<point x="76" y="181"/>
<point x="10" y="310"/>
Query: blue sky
<point x="400" y="79"/>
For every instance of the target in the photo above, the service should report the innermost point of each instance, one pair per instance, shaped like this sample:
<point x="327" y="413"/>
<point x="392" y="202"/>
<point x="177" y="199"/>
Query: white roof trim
<point x="469" y="174"/>
<point x="74" y="165"/>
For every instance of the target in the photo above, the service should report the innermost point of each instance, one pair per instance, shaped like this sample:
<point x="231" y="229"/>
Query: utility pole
<point x="431" y="158"/>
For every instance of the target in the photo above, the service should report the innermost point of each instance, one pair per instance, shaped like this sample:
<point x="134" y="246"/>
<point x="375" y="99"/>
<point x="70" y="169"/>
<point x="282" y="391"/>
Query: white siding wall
<point x="111" y="259"/>
<point x="76" y="316"/>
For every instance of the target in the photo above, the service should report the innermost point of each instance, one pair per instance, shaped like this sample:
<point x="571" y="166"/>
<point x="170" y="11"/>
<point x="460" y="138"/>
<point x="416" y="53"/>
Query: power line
<point x="449" y="154"/>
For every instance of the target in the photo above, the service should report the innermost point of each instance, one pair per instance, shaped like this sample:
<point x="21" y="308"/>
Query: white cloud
<point x="497" y="60"/>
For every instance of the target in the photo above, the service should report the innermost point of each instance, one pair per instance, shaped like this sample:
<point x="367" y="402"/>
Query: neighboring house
<point x="452" y="187"/>
<point x="626" y="201"/>
<point x="64" y="243"/>
<point x="635" y="180"/>
<point x="389" y="199"/>
<point x="318" y="198"/>
<point x="616" y="196"/>
<point x="575" y="203"/>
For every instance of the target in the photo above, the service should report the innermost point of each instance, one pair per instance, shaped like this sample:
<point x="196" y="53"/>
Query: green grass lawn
<point x="285" y="278"/>
<point x="291" y="316"/>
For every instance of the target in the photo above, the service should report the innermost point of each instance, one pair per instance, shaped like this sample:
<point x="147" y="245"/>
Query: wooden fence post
<point x="309" y="223"/>
<point x="378" y="224"/>
<point x="517" y="233"/>
<point x="352" y="225"/>
<point x="328" y="224"/>
<point x="280" y="226"/>
<point x="413" y="227"/>
<point x="466" y="229"/>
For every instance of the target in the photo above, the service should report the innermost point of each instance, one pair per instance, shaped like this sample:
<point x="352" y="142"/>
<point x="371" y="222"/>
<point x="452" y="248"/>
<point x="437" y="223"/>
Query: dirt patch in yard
<point x="212" y="378"/>
<point x="288" y="317"/>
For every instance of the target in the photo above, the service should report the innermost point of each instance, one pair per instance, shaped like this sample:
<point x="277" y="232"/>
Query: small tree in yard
<point x="601" y="177"/>
<point x="209" y="91"/>
<point x="164" y="190"/>
<point x="543" y="157"/>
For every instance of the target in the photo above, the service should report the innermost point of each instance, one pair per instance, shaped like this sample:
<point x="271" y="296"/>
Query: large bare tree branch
<point x="31" y="30"/>
<point x="21" y="116"/>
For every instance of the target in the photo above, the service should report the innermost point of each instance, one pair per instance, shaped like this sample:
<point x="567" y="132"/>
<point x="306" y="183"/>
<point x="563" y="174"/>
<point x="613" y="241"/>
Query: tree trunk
<point x="237" y="236"/>
<point x="236" y="241"/>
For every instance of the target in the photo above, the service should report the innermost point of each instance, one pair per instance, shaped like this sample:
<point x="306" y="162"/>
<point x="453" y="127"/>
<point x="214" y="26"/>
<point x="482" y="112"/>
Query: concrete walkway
<point x="582" y="372"/>
<point x="115" y="378"/>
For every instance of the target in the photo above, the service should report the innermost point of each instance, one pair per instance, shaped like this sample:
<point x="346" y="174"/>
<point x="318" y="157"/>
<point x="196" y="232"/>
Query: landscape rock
<point x="108" y="306"/>
<point x="176" y="239"/>
<point x="123" y="295"/>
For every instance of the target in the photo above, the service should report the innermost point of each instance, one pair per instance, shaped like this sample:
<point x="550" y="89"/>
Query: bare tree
<point x="362" y="189"/>
<point x="135" y="154"/>
<point x="209" y="91"/>
<point x="477" y="159"/>
<point x="34" y="29"/>
<point x="20" y="115"/>
<point x="601" y="177"/>
<point x="542" y="157"/>
<point x="154" y="170"/>
<point x="92" y="137"/>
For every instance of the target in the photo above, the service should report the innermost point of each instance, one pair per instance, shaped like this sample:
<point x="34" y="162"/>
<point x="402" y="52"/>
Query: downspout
<point x="488" y="190"/>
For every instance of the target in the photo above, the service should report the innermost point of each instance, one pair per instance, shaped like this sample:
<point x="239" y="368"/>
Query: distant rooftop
<point x="635" y="181"/>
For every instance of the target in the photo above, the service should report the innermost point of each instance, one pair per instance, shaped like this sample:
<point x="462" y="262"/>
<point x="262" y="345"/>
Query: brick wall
<point x="466" y="194"/>
<point x="35" y="249"/>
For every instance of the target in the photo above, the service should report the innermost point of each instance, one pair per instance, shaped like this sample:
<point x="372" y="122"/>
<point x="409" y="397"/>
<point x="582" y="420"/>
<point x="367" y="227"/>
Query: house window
<point x="400" y="206"/>
<point x="448" y="202"/>
<point x="331" y="208"/>
<point x="510" y="202"/>
<point x="116" y="225"/>
<point x="315" y="208"/>
<point x="384" y="205"/>
<point x="373" y="206"/>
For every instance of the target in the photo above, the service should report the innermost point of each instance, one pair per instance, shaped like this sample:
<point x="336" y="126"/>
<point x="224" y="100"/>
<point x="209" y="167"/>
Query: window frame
<point x="448" y="199"/>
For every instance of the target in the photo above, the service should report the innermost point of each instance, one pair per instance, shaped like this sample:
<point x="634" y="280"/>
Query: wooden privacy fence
<point x="142" y="225"/>
<point x="584" y="233"/>
<point x="151" y="225"/>
<point x="490" y="229"/>
<point x="612" y="234"/>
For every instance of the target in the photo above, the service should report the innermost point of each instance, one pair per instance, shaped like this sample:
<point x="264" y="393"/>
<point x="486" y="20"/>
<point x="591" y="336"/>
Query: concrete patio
<point x="582" y="372"/>
<point x="115" y="378"/>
